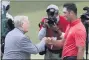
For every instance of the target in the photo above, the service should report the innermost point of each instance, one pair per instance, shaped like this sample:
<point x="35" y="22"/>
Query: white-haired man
<point x="48" y="29"/>
<point x="17" y="45"/>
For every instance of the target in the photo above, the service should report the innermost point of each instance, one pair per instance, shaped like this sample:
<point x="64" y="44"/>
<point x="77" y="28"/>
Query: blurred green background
<point x="36" y="10"/>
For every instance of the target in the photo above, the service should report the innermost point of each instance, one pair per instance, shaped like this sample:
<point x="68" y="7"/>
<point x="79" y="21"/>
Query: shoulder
<point x="63" y="19"/>
<point x="15" y="33"/>
<point x="80" y="29"/>
<point x="43" y="19"/>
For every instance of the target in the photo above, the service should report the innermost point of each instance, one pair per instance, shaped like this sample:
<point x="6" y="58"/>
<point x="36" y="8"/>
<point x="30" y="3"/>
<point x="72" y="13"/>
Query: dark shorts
<point x="70" y="58"/>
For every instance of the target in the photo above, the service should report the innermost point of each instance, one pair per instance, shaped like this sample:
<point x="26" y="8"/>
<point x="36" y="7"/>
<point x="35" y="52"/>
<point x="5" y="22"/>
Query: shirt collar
<point x="75" y="22"/>
<point x="21" y="30"/>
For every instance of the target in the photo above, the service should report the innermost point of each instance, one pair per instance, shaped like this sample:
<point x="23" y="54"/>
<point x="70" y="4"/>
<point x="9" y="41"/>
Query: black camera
<point x="51" y="21"/>
<point x="52" y="14"/>
<point x="85" y="16"/>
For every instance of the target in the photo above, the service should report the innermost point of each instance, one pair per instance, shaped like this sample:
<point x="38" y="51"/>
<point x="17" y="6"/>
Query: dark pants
<point x="70" y="58"/>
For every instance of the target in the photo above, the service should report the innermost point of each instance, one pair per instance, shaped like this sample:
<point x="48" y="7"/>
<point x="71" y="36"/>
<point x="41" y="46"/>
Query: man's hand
<point x="47" y="40"/>
<point x="54" y="27"/>
<point x="45" y="25"/>
<point x="50" y="40"/>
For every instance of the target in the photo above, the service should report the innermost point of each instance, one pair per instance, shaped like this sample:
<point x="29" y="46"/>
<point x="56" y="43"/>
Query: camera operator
<point x="53" y="25"/>
<point x="7" y="22"/>
<point x="85" y="16"/>
<point x="85" y="20"/>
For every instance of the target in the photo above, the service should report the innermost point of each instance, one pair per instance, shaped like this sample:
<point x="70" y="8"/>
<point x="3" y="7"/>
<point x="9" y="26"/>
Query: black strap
<point x="70" y="58"/>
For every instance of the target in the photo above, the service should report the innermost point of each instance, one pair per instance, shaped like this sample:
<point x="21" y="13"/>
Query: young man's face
<point x="66" y="13"/>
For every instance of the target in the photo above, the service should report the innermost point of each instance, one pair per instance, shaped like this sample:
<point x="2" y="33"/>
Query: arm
<point x="59" y="43"/>
<point x="43" y="27"/>
<point x="60" y="33"/>
<point x="29" y="47"/>
<point x="42" y="33"/>
<point x="56" y="43"/>
<point x="80" y="52"/>
<point x="80" y="38"/>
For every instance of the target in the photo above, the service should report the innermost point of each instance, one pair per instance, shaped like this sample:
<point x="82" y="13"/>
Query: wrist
<point x="57" y="29"/>
<point x="62" y="35"/>
<point x="59" y="32"/>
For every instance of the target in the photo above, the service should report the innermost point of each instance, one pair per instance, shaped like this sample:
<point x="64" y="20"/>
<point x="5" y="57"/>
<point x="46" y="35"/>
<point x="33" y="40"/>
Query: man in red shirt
<point x="75" y="36"/>
<point x="46" y="30"/>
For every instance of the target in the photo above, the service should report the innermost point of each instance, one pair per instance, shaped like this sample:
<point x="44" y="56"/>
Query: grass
<point x="35" y="10"/>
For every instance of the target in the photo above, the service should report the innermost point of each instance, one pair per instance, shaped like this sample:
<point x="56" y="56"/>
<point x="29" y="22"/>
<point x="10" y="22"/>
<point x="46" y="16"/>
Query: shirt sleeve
<point x="80" y="38"/>
<point x="63" y="23"/>
<point x="29" y="47"/>
<point x="42" y="33"/>
<point x="41" y="23"/>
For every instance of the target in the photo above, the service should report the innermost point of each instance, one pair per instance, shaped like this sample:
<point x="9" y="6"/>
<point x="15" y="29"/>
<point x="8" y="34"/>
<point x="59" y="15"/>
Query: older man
<point x="17" y="45"/>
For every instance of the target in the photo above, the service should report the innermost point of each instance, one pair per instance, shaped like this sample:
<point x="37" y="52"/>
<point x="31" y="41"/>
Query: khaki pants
<point x="51" y="56"/>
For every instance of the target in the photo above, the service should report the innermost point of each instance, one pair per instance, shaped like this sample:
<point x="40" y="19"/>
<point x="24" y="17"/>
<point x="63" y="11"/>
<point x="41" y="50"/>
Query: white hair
<point x="19" y="20"/>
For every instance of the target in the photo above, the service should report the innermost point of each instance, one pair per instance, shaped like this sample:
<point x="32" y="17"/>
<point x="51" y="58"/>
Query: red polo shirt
<point x="75" y="35"/>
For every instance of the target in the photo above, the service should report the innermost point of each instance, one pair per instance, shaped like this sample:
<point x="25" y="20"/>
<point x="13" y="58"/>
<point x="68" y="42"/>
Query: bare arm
<point x="56" y="43"/>
<point x="80" y="53"/>
<point x="59" y="43"/>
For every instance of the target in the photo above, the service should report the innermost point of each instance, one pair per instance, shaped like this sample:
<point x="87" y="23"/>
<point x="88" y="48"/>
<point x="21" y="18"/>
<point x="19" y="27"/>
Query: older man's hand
<point x="50" y="40"/>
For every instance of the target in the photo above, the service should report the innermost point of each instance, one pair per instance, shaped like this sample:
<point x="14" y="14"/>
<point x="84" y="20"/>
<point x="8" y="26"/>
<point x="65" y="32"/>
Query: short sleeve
<point x="80" y="38"/>
<point x="41" y="23"/>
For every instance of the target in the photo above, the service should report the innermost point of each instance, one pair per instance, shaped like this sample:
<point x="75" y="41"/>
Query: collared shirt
<point x="75" y="35"/>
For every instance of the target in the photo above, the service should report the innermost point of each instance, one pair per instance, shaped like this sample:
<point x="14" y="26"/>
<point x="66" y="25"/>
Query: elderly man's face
<point x="25" y="26"/>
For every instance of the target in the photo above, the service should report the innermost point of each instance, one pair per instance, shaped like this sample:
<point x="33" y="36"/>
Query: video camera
<point x="85" y="16"/>
<point x="52" y="13"/>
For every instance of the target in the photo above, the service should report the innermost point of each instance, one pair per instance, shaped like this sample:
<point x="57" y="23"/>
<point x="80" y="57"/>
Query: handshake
<point x="47" y="41"/>
<point x="50" y="40"/>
